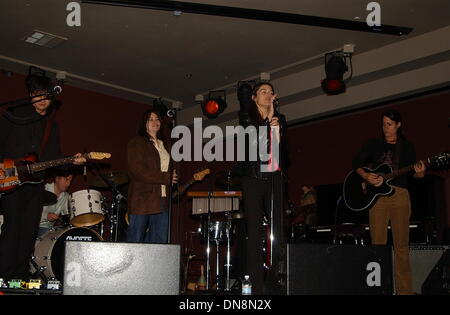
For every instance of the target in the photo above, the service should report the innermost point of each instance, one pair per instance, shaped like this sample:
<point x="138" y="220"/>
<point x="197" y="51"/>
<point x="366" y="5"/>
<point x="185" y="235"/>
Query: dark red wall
<point x="88" y="121"/>
<point x="320" y="152"/>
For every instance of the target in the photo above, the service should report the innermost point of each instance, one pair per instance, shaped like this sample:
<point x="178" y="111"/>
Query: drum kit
<point x="218" y="213"/>
<point x="91" y="218"/>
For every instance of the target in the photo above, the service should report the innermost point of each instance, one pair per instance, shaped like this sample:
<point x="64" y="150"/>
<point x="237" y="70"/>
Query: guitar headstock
<point x="440" y="161"/>
<point x="200" y="175"/>
<point x="98" y="155"/>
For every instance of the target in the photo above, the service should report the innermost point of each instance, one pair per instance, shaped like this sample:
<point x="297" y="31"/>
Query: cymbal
<point x="116" y="177"/>
<point x="49" y="198"/>
<point x="227" y="179"/>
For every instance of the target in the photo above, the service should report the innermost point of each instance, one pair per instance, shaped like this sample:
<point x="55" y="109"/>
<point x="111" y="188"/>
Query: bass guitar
<point x="360" y="195"/>
<point x="14" y="173"/>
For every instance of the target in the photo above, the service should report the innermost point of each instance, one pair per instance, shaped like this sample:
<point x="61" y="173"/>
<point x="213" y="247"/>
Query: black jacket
<point x="22" y="134"/>
<point x="253" y="168"/>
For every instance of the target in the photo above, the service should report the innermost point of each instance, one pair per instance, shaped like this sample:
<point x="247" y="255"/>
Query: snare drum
<point x="49" y="249"/>
<point x="86" y="208"/>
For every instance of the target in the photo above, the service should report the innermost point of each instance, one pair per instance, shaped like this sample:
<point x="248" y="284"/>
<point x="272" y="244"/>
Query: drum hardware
<point x="106" y="179"/>
<point x="48" y="258"/>
<point x="228" y="180"/>
<point x="40" y="270"/>
<point x="112" y="180"/>
<point x="204" y="203"/>
<point x="228" y="264"/>
<point x="220" y="232"/>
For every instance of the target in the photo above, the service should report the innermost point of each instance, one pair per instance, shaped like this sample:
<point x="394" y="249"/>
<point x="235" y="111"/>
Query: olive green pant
<point x="397" y="210"/>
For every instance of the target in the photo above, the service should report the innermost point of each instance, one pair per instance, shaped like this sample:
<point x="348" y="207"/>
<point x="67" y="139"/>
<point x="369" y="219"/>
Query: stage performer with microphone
<point x="262" y="182"/>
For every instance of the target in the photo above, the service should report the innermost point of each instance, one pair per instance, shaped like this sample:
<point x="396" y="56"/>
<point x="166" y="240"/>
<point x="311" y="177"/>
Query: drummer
<point x="52" y="214"/>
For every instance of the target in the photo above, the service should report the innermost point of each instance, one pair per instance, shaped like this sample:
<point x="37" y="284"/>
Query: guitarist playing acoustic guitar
<point x="394" y="150"/>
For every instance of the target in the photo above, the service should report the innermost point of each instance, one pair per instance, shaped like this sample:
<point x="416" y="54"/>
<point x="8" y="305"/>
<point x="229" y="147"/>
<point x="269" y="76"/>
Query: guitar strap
<point x="398" y="152"/>
<point x="47" y="131"/>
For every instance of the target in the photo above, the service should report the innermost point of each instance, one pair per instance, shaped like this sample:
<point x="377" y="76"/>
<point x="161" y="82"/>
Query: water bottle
<point x="201" y="284"/>
<point x="246" y="286"/>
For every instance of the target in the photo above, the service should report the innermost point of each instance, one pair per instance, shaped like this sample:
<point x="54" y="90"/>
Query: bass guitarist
<point x="27" y="129"/>
<point x="393" y="149"/>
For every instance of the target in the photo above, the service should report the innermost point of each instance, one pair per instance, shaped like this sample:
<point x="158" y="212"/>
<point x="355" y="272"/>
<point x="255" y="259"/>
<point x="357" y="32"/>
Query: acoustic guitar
<point x="360" y="195"/>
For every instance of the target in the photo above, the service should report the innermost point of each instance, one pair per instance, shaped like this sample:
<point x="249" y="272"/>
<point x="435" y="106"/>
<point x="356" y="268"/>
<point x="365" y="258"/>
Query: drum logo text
<point x="79" y="238"/>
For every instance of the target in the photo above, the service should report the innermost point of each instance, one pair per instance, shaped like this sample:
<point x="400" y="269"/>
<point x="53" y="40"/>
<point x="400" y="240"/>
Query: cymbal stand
<point x="115" y="203"/>
<point x="218" y="285"/>
<point x="115" y="207"/>
<point x="228" y="264"/>
<point x="228" y="233"/>
<point x="208" y="247"/>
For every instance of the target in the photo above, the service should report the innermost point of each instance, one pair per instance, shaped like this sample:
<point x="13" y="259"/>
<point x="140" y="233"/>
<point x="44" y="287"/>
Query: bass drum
<point x="49" y="249"/>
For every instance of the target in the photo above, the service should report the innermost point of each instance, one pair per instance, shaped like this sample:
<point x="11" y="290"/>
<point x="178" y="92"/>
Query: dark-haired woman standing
<point x="262" y="184"/>
<point x="393" y="149"/>
<point x="148" y="164"/>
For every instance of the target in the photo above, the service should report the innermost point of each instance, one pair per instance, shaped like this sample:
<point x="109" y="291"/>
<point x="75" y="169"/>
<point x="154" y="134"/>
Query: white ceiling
<point x="139" y="53"/>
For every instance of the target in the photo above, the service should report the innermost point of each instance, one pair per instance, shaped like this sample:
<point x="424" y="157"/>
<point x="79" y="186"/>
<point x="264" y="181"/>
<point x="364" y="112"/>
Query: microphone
<point x="56" y="90"/>
<point x="276" y="102"/>
<point x="171" y="112"/>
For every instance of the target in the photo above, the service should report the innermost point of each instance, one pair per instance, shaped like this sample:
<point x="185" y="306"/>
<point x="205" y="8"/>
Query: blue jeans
<point x="148" y="228"/>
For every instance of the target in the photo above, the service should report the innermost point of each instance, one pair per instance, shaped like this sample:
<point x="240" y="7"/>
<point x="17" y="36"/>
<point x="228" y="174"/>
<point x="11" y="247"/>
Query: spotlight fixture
<point x="335" y="68"/>
<point x="159" y="107"/>
<point x="215" y="104"/>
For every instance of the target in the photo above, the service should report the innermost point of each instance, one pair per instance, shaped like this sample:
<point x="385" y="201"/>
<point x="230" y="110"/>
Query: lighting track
<point x="254" y="14"/>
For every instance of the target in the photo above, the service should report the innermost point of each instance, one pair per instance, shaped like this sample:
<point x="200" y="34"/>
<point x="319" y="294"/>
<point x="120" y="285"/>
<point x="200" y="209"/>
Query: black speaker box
<point x="339" y="269"/>
<point x="100" y="268"/>
<point x="430" y="269"/>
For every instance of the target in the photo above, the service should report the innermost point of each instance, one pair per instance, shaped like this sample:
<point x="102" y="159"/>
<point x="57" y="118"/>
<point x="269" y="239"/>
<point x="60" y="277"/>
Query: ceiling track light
<point x="215" y="104"/>
<point x="335" y="68"/>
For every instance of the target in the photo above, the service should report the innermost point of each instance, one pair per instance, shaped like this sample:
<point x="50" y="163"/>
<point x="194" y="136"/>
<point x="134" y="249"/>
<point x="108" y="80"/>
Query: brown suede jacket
<point x="146" y="178"/>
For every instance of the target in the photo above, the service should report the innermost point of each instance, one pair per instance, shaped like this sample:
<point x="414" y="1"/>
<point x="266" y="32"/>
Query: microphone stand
<point x="173" y="114"/>
<point x="21" y="101"/>
<point x="24" y="102"/>
<point x="208" y="222"/>
<point x="335" y="219"/>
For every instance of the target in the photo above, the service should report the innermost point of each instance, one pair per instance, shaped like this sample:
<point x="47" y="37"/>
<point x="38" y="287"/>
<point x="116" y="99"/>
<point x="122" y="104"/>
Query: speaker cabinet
<point x="100" y="268"/>
<point x="339" y="269"/>
<point x="425" y="260"/>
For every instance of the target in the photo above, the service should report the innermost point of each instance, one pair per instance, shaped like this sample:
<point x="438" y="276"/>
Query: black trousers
<point x="22" y="211"/>
<point x="257" y="197"/>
